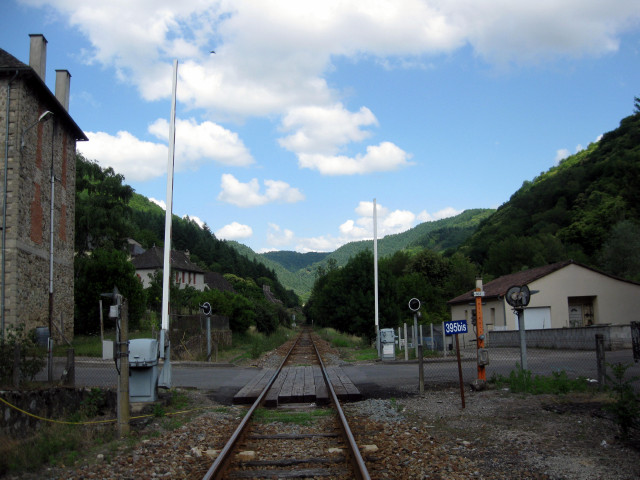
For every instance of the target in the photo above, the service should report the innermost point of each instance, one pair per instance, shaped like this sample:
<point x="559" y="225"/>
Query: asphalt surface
<point x="374" y="379"/>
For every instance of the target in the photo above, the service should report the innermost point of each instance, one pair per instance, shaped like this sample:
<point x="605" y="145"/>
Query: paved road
<point x="377" y="379"/>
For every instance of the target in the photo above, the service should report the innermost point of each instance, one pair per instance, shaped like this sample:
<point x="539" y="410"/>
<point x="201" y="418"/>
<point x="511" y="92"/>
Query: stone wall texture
<point x="32" y="147"/>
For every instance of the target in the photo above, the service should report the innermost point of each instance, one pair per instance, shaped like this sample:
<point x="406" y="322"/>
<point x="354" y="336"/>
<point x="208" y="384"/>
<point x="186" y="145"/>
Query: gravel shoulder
<point x="499" y="435"/>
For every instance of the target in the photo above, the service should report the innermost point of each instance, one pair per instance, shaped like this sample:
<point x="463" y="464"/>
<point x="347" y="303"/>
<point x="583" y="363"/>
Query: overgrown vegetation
<point x="108" y="212"/>
<point x="521" y="381"/>
<point x="626" y="402"/>
<point x="269" y="415"/>
<point x="31" y="356"/>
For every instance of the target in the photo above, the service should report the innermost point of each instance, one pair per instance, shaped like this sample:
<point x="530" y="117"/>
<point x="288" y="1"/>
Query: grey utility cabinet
<point x="143" y="370"/>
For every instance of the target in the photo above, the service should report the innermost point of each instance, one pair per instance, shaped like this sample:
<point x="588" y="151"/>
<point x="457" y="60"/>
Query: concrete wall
<point x="55" y="403"/>
<point x="616" y="337"/>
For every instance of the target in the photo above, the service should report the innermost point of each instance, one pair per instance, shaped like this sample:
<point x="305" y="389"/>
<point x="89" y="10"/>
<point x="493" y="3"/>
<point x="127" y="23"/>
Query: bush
<point x="32" y="357"/>
<point x="521" y="381"/>
<point x="626" y="406"/>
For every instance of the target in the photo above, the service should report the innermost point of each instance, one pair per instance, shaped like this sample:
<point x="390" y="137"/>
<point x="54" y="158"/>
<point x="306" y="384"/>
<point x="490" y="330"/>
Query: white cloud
<point x="278" y="237"/>
<point x="323" y="130"/>
<point x="379" y="158"/>
<point x="126" y="154"/>
<point x="248" y="194"/>
<point x="446" y="212"/>
<point x="201" y="142"/>
<point x="389" y="222"/>
<point x="561" y="154"/>
<point x="160" y="203"/>
<point x="140" y="160"/>
<point x="195" y="219"/>
<point x="272" y="55"/>
<point x="234" y="231"/>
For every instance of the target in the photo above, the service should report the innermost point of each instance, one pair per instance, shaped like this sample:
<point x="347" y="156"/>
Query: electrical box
<point x="483" y="356"/>
<point x="143" y="370"/>
<point x="388" y="344"/>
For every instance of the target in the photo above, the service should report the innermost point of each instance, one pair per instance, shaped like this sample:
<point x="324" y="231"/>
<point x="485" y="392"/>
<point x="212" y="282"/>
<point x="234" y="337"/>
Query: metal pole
<point x="375" y="273"/>
<point x="406" y="344"/>
<point x="415" y="332"/>
<point x="479" y="294"/>
<point x="433" y="340"/>
<point x="420" y="370"/>
<point x="53" y="189"/>
<point x="166" y="272"/>
<point x="460" y="371"/>
<point x="444" y="341"/>
<point x="208" y="338"/>
<point x="600" y="359"/>
<point x="523" y="339"/>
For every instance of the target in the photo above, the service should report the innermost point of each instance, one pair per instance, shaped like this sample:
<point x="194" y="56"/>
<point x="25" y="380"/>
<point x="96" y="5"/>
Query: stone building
<point x="37" y="163"/>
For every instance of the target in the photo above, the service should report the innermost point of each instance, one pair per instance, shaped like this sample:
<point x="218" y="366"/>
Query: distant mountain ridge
<point x="297" y="271"/>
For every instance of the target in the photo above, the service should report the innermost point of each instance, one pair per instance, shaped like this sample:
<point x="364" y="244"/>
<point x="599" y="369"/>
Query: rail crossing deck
<point x="298" y="385"/>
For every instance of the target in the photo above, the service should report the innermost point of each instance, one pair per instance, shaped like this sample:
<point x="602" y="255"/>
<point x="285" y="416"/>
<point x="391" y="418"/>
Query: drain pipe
<point x="4" y="208"/>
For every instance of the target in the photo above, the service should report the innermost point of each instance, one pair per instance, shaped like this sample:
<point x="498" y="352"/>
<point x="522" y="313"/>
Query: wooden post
<point x="123" y="383"/>
<point x="16" y="365"/>
<point x="70" y="377"/>
<point x="101" y="324"/>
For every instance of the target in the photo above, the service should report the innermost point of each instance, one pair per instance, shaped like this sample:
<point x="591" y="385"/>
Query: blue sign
<point x="454" y="327"/>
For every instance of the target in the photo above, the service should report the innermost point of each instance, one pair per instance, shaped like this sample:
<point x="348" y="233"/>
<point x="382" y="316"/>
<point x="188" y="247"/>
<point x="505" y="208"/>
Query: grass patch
<point x="54" y="444"/>
<point x="252" y="344"/>
<point x="521" y="381"/>
<point x="264" y="415"/>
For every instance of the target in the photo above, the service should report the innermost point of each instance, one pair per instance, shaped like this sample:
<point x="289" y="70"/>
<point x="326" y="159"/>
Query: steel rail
<point x="224" y="457"/>
<point x="359" y="467"/>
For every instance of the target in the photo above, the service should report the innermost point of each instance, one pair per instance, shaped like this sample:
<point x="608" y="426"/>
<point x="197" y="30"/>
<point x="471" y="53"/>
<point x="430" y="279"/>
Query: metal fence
<point x="582" y="360"/>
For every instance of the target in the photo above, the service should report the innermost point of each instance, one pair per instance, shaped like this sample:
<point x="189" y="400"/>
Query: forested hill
<point x="297" y="271"/>
<point x="586" y="208"/>
<point x="204" y="248"/>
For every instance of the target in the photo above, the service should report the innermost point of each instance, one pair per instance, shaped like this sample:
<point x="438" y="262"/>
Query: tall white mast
<point x="166" y="269"/>
<point x="375" y="271"/>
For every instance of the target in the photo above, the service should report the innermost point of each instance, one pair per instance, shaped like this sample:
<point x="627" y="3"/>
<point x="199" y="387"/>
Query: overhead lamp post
<point x="43" y="117"/>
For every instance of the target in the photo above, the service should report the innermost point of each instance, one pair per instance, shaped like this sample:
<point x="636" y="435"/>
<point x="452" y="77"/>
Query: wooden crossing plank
<point x="285" y="395"/>
<point x="297" y="393"/>
<point x="309" y="393"/>
<point x="352" y="391"/>
<point x="322" y="394"/>
<point x="247" y="394"/>
<point x="271" y="399"/>
<point x="341" y="392"/>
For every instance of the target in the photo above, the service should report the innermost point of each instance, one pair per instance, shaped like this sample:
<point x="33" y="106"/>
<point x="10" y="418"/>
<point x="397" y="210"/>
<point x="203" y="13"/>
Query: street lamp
<point x="45" y="115"/>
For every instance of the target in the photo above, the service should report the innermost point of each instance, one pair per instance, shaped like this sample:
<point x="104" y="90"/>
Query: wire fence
<point x="546" y="352"/>
<point x="188" y="340"/>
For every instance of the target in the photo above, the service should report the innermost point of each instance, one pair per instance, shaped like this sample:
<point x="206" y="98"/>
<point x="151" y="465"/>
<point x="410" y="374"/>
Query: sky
<point x="293" y="116"/>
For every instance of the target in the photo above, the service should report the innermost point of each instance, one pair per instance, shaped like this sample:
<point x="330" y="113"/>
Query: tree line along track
<point x="323" y="447"/>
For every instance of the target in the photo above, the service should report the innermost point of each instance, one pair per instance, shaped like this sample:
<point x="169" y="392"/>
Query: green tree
<point x="102" y="213"/>
<point x="621" y="252"/>
<point x="99" y="273"/>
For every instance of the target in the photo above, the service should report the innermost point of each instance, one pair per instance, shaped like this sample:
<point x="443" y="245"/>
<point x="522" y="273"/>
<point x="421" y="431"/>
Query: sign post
<point x="455" y="327"/>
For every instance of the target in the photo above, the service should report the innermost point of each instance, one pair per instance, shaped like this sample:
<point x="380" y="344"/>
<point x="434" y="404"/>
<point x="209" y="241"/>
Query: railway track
<point x="315" y="441"/>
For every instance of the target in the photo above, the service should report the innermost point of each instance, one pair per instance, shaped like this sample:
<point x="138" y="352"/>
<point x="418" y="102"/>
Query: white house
<point x="183" y="270"/>
<point x="568" y="295"/>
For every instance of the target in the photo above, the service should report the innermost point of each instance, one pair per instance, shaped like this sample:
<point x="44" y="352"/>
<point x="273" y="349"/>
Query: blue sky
<point x="310" y="110"/>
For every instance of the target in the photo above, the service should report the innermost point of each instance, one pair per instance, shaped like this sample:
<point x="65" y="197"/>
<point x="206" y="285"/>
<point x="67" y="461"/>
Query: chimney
<point x="63" y="80"/>
<point x="38" y="54"/>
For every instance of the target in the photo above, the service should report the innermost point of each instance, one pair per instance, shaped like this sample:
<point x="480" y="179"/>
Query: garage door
<point x="536" y="318"/>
